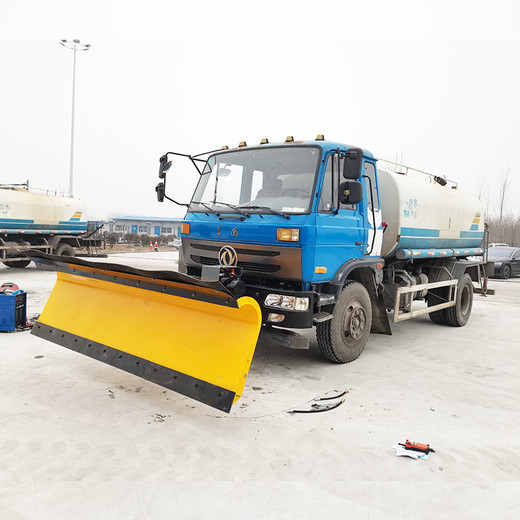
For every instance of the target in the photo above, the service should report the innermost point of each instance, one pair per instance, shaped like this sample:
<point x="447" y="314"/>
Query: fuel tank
<point x="22" y="210"/>
<point x="420" y="214"/>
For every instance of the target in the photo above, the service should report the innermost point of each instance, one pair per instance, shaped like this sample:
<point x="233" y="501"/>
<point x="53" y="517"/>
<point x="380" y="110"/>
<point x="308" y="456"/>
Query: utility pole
<point x="75" y="45"/>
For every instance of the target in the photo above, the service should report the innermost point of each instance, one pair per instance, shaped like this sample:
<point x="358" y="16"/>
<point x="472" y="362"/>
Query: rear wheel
<point x="65" y="250"/>
<point x="19" y="264"/>
<point x="343" y="338"/>
<point x="505" y="272"/>
<point x="435" y="297"/>
<point x="459" y="314"/>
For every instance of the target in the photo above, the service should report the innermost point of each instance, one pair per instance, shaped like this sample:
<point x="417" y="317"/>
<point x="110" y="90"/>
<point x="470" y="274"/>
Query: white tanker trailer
<point x="39" y="221"/>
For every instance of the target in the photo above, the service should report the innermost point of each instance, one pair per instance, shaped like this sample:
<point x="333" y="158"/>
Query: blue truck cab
<point x="275" y="205"/>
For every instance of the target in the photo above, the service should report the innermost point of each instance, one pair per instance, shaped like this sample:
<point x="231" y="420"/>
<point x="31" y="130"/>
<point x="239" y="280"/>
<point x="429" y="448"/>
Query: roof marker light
<point x="289" y="139"/>
<point x="242" y="144"/>
<point x="225" y="147"/>
<point x="320" y="137"/>
<point x="264" y="141"/>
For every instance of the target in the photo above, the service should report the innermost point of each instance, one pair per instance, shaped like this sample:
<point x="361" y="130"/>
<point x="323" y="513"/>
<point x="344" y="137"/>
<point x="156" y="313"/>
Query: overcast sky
<point x="434" y="83"/>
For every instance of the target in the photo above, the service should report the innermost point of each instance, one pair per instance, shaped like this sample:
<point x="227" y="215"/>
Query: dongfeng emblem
<point x="227" y="257"/>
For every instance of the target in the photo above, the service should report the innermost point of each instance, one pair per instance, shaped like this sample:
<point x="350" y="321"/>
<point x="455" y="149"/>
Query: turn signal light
<point x="185" y="228"/>
<point x="319" y="269"/>
<point x="288" y="235"/>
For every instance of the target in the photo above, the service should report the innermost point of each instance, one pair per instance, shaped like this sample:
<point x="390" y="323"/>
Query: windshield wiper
<point x="206" y="206"/>
<point x="232" y="206"/>
<point x="268" y="209"/>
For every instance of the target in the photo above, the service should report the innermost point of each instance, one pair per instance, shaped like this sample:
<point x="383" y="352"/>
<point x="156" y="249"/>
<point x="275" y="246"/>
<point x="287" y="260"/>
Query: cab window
<point x="330" y="186"/>
<point x="326" y="199"/>
<point x="370" y="172"/>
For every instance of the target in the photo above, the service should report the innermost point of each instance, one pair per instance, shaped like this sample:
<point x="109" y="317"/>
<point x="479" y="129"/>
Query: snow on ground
<point x="82" y="440"/>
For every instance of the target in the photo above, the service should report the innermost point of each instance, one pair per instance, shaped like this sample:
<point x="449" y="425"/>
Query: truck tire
<point x="343" y="338"/>
<point x="458" y="315"/>
<point x="65" y="250"/>
<point x="18" y="264"/>
<point x="505" y="272"/>
<point x="434" y="297"/>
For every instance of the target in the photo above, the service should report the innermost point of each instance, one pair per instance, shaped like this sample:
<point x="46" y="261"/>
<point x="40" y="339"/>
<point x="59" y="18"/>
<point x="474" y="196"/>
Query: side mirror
<point x="352" y="163"/>
<point x="350" y="192"/>
<point x="164" y="166"/>
<point x="159" y="189"/>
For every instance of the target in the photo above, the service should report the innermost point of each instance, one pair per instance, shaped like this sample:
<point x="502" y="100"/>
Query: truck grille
<point x="249" y="266"/>
<point x="255" y="260"/>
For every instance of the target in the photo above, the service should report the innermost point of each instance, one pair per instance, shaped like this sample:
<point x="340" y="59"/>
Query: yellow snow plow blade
<point x="189" y="336"/>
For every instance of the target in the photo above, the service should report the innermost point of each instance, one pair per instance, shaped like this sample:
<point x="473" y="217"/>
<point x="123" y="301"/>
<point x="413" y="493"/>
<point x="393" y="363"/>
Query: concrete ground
<point x="82" y="440"/>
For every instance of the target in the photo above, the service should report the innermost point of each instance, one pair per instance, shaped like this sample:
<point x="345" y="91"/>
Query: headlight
<point x="291" y="303"/>
<point x="498" y="264"/>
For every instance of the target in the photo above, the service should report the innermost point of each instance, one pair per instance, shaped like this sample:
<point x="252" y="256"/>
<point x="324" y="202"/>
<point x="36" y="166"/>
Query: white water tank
<point x="21" y="209"/>
<point x="420" y="214"/>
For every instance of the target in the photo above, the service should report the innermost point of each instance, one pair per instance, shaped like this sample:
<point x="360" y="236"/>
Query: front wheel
<point x="458" y="315"/>
<point x="505" y="273"/>
<point x="343" y="338"/>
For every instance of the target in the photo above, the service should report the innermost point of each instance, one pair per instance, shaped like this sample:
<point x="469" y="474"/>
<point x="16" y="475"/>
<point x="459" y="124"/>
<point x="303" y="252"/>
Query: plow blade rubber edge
<point x="194" y="340"/>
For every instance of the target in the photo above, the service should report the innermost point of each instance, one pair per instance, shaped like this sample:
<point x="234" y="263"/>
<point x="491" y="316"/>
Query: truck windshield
<point x="267" y="180"/>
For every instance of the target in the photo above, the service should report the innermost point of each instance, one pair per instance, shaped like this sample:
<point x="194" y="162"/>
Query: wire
<point x="313" y="409"/>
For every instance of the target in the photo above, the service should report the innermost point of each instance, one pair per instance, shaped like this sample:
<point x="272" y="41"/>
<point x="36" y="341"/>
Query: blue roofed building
<point x="147" y="225"/>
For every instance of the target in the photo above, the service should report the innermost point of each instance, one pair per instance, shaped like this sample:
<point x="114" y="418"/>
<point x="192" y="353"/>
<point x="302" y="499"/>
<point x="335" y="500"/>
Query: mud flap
<point x="186" y="335"/>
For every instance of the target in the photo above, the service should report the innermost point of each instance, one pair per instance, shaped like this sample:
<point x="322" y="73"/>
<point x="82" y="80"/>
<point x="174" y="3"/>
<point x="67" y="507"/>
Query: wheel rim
<point x="506" y="271"/>
<point x="355" y="321"/>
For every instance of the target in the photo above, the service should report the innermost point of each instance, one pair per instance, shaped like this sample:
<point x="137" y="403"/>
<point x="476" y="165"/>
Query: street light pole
<point x="75" y="45"/>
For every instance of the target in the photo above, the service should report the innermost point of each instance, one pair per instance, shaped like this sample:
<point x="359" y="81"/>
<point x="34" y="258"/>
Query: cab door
<point x="340" y="229"/>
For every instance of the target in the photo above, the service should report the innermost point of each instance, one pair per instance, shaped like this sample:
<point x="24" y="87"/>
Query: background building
<point x="148" y="225"/>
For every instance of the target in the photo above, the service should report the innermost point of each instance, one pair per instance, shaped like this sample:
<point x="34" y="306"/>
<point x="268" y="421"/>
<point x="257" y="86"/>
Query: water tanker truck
<point x="276" y="238"/>
<point x="43" y="222"/>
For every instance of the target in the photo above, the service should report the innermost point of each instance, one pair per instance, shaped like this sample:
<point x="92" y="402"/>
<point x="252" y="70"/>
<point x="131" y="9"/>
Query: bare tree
<point x="505" y="231"/>
<point x="503" y="189"/>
